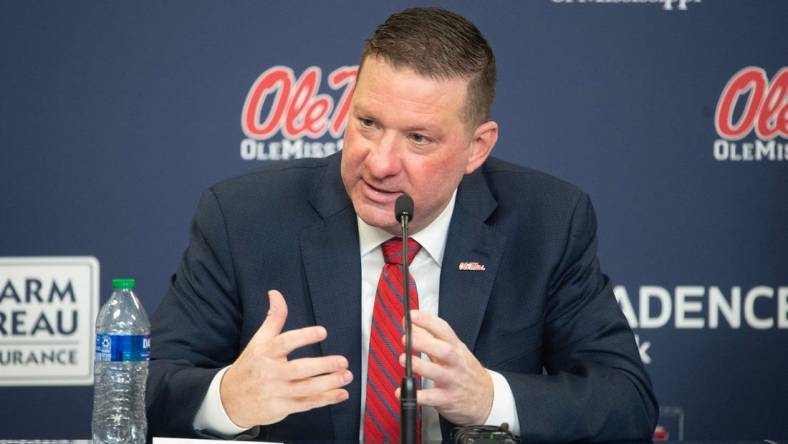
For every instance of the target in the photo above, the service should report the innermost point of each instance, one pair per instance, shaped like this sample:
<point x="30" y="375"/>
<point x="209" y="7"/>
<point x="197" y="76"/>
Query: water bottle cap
<point x="124" y="283"/>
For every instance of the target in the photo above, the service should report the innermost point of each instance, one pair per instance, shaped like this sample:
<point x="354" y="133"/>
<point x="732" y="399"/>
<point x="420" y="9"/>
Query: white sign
<point x="48" y="308"/>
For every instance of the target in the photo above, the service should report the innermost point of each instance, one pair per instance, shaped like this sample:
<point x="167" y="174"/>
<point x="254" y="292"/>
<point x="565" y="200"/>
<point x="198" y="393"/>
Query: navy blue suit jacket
<point x="542" y="313"/>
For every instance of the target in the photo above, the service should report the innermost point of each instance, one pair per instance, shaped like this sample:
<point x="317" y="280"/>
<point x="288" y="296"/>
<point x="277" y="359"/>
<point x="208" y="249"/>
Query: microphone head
<point x="403" y="208"/>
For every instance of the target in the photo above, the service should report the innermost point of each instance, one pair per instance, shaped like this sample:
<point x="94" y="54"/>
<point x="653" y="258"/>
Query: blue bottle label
<point x="118" y="348"/>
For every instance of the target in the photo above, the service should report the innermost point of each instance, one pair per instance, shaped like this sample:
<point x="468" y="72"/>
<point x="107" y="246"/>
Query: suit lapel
<point x="332" y="265"/>
<point x="464" y="293"/>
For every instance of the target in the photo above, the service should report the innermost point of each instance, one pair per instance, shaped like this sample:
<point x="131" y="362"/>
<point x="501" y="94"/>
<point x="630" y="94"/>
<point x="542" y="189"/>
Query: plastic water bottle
<point x="121" y="368"/>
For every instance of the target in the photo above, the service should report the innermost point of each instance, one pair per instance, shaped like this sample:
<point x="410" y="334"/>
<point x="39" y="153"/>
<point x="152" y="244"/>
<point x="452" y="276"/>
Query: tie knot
<point x="392" y="250"/>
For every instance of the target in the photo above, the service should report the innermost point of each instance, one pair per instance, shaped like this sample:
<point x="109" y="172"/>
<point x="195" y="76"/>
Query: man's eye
<point x="366" y="123"/>
<point x="419" y="139"/>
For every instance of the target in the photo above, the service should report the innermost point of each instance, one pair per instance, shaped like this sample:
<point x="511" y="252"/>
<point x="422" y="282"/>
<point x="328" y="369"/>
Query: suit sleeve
<point x="595" y="387"/>
<point x="195" y="330"/>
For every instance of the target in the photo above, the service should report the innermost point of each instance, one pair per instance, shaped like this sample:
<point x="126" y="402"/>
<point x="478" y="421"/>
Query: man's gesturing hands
<point x="262" y="387"/>
<point x="463" y="389"/>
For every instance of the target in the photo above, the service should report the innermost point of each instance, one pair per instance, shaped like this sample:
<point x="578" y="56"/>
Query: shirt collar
<point x="432" y="238"/>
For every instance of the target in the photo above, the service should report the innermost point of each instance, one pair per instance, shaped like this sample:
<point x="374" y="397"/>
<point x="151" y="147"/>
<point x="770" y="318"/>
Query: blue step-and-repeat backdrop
<point x="672" y="114"/>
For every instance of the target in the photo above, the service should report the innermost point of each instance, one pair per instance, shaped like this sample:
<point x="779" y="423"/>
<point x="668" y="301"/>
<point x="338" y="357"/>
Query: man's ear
<point x="484" y="138"/>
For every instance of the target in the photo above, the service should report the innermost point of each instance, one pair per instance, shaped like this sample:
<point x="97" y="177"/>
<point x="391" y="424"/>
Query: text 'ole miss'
<point x="297" y="110"/>
<point x="766" y="109"/>
<point x="762" y="108"/>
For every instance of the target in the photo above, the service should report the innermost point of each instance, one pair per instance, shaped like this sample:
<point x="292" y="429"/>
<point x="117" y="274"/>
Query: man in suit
<point x="516" y="322"/>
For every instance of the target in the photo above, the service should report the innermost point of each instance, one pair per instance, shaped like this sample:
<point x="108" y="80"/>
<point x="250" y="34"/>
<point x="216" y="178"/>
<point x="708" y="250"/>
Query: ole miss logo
<point x="281" y="103"/>
<point x="751" y="104"/>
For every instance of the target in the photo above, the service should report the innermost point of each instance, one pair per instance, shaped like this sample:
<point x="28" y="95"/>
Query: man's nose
<point x="384" y="158"/>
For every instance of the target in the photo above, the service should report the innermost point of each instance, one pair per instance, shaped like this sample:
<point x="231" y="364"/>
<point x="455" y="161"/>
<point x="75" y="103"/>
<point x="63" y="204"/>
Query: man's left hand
<point x="463" y="389"/>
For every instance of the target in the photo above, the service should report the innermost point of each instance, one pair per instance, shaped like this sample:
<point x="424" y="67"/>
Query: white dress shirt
<point x="425" y="270"/>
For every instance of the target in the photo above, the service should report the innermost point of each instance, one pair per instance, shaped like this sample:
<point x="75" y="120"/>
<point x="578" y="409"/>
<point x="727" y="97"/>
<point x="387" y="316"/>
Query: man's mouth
<point x="380" y="195"/>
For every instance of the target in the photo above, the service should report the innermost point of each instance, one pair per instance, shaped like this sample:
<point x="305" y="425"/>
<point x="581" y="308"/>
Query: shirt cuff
<point x="211" y="416"/>
<point x="503" y="408"/>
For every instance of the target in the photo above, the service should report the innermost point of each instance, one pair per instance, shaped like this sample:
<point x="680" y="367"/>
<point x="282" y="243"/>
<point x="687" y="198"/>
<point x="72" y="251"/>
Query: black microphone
<point x="403" y="208"/>
<point x="403" y="211"/>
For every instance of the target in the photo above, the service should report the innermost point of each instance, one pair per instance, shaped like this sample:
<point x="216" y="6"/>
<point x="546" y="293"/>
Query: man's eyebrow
<point x="419" y="129"/>
<point x="359" y="109"/>
<point x="434" y="131"/>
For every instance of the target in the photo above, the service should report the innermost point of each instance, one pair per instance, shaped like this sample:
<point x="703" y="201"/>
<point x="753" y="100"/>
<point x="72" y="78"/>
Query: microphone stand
<point x="408" y="411"/>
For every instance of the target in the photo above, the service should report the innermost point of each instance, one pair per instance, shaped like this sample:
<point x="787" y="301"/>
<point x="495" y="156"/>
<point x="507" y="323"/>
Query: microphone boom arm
<point x="408" y="407"/>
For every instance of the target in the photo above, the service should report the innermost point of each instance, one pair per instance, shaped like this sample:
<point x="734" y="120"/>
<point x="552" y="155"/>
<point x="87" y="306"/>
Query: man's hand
<point x="262" y="387"/>
<point x="463" y="389"/>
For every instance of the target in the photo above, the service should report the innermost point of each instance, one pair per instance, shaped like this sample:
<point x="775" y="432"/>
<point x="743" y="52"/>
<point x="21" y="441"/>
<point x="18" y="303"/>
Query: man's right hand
<point x="262" y="387"/>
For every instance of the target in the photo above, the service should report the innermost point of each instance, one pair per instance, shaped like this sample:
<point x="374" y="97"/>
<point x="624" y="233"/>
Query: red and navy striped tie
<point x="384" y="373"/>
